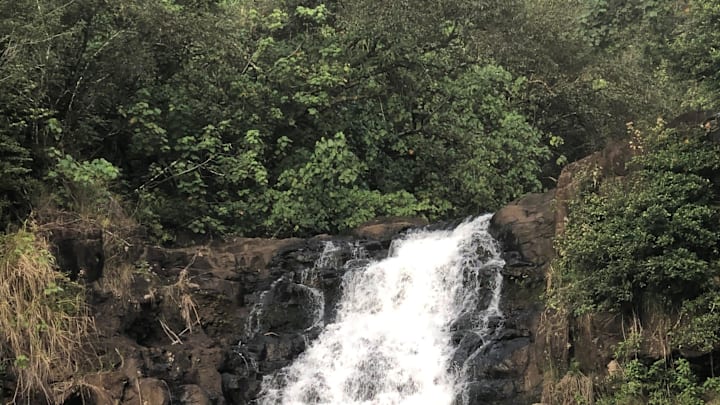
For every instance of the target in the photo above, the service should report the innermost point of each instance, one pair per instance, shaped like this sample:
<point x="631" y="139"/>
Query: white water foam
<point x="391" y="341"/>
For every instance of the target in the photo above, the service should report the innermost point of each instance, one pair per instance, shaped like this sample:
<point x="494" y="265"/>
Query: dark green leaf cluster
<point x="221" y="116"/>
<point x="652" y="233"/>
<point x="661" y="383"/>
<point x="651" y="236"/>
<point x="262" y="117"/>
<point x="696" y="43"/>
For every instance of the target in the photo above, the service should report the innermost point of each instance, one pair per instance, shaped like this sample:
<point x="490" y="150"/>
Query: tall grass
<point x="44" y="320"/>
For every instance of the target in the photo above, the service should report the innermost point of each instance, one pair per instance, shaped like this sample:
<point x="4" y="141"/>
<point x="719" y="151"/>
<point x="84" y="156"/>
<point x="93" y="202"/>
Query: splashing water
<point x="391" y="341"/>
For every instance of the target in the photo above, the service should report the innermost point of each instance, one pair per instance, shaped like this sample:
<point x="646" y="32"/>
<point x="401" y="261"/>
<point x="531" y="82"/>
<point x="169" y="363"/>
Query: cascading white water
<point x="391" y="340"/>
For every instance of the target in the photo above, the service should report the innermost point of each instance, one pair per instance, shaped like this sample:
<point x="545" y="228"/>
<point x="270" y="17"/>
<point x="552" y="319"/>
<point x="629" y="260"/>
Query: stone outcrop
<point x="383" y="229"/>
<point x="525" y="228"/>
<point x="204" y="324"/>
<point x="609" y="162"/>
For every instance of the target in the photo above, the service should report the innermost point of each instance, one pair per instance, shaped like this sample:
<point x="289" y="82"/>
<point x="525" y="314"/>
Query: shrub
<point x="652" y="232"/>
<point x="44" y="323"/>
<point x="83" y="185"/>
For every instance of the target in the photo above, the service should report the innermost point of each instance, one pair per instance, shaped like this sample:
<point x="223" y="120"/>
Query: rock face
<point x="79" y="253"/>
<point x="205" y="324"/>
<point x="386" y="228"/>
<point x="525" y="228"/>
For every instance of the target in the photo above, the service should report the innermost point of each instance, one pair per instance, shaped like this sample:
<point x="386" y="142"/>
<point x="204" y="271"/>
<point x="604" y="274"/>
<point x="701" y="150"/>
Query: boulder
<point x="148" y="391"/>
<point x="527" y="226"/>
<point x="385" y="228"/>
<point x="193" y="395"/>
<point x="612" y="161"/>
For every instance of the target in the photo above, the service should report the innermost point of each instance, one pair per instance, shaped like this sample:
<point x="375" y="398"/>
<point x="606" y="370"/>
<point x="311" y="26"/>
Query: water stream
<point x="391" y="340"/>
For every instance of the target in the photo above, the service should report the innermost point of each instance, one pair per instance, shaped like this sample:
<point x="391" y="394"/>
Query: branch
<point x="184" y="172"/>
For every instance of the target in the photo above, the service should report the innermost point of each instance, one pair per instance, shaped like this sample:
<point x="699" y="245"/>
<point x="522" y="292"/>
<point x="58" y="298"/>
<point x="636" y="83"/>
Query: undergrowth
<point x="45" y="325"/>
<point x="106" y="217"/>
<point x="645" y="246"/>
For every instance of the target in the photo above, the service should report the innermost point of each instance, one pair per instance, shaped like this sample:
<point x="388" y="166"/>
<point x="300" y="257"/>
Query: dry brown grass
<point x="571" y="389"/>
<point x="180" y="294"/>
<point x="554" y="329"/>
<point x="188" y="307"/>
<point x="89" y="393"/>
<point x="44" y="321"/>
<point x="49" y="342"/>
<point x="656" y="324"/>
<point x="119" y="234"/>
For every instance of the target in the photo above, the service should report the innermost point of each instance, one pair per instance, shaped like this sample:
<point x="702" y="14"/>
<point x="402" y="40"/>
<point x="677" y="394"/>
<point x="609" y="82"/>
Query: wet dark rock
<point x="193" y="394"/>
<point x="508" y="369"/>
<point x="257" y="306"/>
<point x="514" y="259"/>
<point x="490" y="391"/>
<point x="527" y="226"/>
<point x="467" y="344"/>
<point x="238" y="390"/>
<point x="78" y="252"/>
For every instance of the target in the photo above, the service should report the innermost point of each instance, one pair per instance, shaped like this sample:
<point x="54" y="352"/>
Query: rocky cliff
<point x="204" y="324"/>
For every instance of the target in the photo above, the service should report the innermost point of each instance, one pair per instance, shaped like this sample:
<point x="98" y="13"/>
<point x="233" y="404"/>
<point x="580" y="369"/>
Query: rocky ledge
<point x="204" y="324"/>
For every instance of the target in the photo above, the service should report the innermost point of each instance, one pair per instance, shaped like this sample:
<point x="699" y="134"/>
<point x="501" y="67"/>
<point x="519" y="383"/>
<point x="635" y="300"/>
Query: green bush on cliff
<point x="660" y="383"/>
<point x="652" y="233"/>
<point x="650" y="236"/>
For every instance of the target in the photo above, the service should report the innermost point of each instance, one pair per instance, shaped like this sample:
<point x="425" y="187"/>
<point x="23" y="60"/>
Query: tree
<point x="650" y="234"/>
<point x="695" y="48"/>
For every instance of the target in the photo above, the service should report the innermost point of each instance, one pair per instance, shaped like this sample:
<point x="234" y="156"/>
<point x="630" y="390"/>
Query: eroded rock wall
<point x="527" y="228"/>
<point x="204" y="324"/>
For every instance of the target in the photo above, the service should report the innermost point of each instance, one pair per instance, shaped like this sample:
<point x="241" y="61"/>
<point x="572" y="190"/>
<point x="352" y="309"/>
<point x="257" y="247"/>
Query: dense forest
<point x="208" y="118"/>
<point x="279" y="117"/>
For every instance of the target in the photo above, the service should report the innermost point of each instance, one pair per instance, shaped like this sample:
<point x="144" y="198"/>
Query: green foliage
<point x="659" y="383"/>
<point x="216" y="114"/>
<point x="482" y="152"/>
<point x="15" y="176"/>
<point x="695" y="47"/>
<point x="244" y="152"/>
<point x="614" y="23"/>
<point x="582" y="93"/>
<point x="82" y="185"/>
<point x="650" y="235"/>
<point x="698" y="327"/>
<point x="652" y="232"/>
<point x="334" y="173"/>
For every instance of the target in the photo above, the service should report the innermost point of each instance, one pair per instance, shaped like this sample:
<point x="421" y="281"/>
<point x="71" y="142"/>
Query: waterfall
<point x="391" y="340"/>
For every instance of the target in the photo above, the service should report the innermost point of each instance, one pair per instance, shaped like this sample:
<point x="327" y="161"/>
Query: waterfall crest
<point x="391" y="340"/>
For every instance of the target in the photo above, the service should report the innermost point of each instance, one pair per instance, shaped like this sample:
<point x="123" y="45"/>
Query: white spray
<point x="390" y="343"/>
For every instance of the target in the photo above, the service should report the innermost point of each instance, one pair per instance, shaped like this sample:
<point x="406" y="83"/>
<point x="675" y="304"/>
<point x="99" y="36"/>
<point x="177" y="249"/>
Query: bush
<point x="328" y="194"/>
<point x="44" y="322"/>
<point x="651" y="235"/>
<point x="83" y="186"/>
<point x="660" y="383"/>
<point x="15" y="179"/>
<point x="653" y="232"/>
